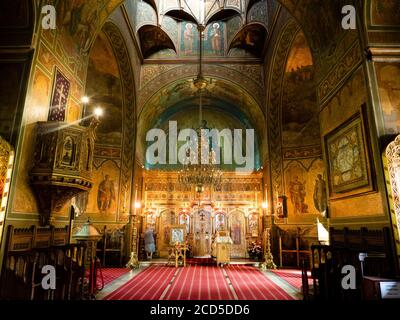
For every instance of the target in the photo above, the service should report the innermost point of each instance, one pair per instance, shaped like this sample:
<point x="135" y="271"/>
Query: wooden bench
<point x="369" y="251"/>
<point x="298" y="250"/>
<point x="27" y="251"/>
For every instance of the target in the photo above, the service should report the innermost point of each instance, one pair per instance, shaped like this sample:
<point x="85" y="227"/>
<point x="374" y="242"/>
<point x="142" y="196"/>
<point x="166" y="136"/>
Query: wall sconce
<point x="85" y="100"/>
<point x="138" y="205"/>
<point x="265" y="205"/>
<point x="98" y="112"/>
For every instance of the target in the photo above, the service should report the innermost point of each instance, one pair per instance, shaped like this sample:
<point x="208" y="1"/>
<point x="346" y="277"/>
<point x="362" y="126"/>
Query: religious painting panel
<point x="184" y="219"/>
<point x="385" y="12"/>
<point x="253" y="224"/>
<point x="104" y="87"/>
<point x="103" y="198"/>
<point x="151" y="220"/>
<point x="189" y="39"/>
<point x="60" y="95"/>
<point x="214" y="39"/>
<point x="295" y="182"/>
<point x="347" y="156"/>
<point x="178" y="234"/>
<point x="317" y="177"/>
<point x="388" y="76"/>
<point x="305" y="187"/>
<point x="220" y="221"/>
<point x="299" y="98"/>
<point x="281" y="207"/>
<point x="237" y="225"/>
<point x="73" y="18"/>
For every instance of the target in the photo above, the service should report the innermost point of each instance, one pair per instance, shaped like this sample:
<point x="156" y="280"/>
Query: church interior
<point x="105" y="108"/>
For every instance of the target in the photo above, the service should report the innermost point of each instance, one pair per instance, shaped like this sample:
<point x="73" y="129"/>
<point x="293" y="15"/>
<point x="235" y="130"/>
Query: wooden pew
<point x="345" y="248"/>
<point x="28" y="250"/>
<point x="293" y="248"/>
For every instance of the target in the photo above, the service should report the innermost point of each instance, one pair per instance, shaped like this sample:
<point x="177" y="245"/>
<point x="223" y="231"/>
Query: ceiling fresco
<point x="217" y="115"/>
<point x="220" y="95"/>
<point x="308" y="13"/>
<point x="224" y="21"/>
<point x="300" y="125"/>
<point x="105" y="90"/>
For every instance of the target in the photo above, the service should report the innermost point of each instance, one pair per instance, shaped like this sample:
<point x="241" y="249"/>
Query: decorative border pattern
<point x="274" y="107"/>
<point x="346" y="65"/>
<point x="129" y="110"/>
<point x="391" y="161"/>
<point x="254" y="88"/>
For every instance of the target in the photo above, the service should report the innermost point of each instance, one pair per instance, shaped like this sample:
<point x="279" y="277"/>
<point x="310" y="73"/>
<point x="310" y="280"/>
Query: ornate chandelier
<point x="200" y="168"/>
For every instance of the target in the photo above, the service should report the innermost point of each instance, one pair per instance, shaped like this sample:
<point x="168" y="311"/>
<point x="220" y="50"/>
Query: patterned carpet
<point x="293" y="277"/>
<point x="198" y="282"/>
<point x="251" y="284"/>
<point x="109" y="275"/>
<point x="147" y="285"/>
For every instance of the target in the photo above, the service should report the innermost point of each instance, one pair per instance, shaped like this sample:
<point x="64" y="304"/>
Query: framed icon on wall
<point x="281" y="207"/>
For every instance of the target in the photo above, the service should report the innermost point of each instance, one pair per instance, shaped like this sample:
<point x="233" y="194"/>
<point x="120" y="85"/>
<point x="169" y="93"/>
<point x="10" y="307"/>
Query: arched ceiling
<point x="320" y="20"/>
<point x="221" y="97"/>
<point x="225" y="21"/>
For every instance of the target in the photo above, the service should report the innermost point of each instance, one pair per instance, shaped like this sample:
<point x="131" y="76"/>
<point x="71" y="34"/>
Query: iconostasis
<point x="235" y="207"/>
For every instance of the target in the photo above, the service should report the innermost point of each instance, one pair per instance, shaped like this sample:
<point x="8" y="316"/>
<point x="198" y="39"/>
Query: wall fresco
<point x="385" y="12"/>
<point x="104" y="90"/>
<point x="388" y="76"/>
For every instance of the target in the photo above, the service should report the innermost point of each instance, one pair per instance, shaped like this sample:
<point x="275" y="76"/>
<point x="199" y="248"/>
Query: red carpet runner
<point x="147" y="285"/>
<point x="251" y="284"/>
<point x="109" y="275"/>
<point x="199" y="283"/>
<point x="293" y="277"/>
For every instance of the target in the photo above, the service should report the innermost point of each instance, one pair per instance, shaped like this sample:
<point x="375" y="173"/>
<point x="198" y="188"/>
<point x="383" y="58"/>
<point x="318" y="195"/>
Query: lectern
<point x="223" y="244"/>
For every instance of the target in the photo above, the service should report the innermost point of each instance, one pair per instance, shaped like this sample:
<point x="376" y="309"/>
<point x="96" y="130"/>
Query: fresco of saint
<point x="188" y="39"/>
<point x="216" y="38"/>
<point x="320" y="197"/>
<point x="297" y="191"/>
<point x="106" y="194"/>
